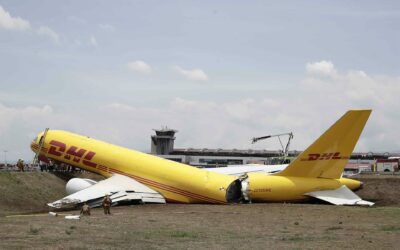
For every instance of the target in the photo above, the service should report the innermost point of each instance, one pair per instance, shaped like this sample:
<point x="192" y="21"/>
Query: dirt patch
<point x="258" y="226"/>
<point x="381" y="189"/>
<point x="29" y="192"/>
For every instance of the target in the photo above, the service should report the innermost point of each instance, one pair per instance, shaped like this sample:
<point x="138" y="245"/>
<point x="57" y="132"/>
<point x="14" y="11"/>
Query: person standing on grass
<point x="20" y="165"/>
<point x="106" y="204"/>
<point x="85" y="210"/>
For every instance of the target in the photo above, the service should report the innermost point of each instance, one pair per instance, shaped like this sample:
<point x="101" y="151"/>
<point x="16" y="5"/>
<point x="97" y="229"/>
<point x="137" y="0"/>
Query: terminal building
<point x="162" y="145"/>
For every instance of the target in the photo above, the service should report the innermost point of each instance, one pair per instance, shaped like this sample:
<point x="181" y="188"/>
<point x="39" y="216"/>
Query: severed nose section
<point x="36" y="142"/>
<point x="37" y="145"/>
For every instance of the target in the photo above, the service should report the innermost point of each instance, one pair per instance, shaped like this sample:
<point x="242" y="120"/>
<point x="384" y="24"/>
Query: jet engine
<point x="77" y="184"/>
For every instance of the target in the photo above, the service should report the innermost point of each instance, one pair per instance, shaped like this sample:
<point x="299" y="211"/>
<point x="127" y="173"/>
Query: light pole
<point x="5" y="159"/>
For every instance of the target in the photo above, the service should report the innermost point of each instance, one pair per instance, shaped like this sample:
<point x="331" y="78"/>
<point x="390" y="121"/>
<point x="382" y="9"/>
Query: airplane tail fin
<point x="329" y="154"/>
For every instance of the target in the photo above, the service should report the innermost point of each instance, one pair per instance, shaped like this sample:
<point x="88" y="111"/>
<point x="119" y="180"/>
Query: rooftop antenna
<point x="5" y="158"/>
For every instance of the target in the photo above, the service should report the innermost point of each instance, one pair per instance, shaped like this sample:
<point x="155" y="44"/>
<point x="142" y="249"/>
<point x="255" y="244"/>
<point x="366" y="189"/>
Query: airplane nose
<point x="34" y="146"/>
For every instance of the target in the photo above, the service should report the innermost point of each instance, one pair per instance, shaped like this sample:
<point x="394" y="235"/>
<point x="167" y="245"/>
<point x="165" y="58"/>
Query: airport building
<point x="162" y="145"/>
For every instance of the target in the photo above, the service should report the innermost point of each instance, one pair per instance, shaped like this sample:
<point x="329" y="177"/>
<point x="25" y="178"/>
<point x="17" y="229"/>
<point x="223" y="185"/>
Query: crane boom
<point x="285" y="149"/>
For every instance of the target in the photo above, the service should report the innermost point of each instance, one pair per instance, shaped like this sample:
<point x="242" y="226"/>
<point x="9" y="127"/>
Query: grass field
<point x="257" y="226"/>
<point x="171" y="226"/>
<point x="29" y="192"/>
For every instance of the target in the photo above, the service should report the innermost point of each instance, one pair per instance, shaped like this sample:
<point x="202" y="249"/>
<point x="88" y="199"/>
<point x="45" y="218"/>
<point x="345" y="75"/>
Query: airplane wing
<point x="119" y="187"/>
<point x="340" y="196"/>
<point x="238" y="170"/>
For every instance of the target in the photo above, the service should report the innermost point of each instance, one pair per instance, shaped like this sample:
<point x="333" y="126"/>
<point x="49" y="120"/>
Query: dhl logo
<point x="73" y="153"/>
<point x="324" y="156"/>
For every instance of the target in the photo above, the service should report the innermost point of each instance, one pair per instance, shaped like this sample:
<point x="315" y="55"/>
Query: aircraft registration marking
<point x="262" y="190"/>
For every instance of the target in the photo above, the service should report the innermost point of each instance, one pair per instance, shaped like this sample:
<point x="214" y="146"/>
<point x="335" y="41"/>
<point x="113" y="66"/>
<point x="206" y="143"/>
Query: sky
<point x="219" y="72"/>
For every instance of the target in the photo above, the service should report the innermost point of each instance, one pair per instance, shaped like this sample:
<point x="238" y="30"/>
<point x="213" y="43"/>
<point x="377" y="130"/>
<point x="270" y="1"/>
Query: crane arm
<point x="284" y="149"/>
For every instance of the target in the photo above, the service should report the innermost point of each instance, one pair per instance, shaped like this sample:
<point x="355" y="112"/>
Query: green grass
<point x="297" y="237"/>
<point x="33" y="230"/>
<point x="33" y="188"/>
<point x="390" y="228"/>
<point x="184" y="234"/>
<point x="171" y="234"/>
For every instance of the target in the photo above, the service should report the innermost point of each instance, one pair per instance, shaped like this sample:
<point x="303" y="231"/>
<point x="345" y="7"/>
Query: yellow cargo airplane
<point x="135" y="176"/>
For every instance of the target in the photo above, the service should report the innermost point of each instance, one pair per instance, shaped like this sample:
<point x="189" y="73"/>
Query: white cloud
<point x="19" y="125"/>
<point x="223" y="123"/>
<point x="324" y="68"/>
<point x="194" y="74"/>
<point x="357" y="89"/>
<point x="106" y="27"/>
<point x="12" y="23"/>
<point x="46" y="31"/>
<point x="140" y="66"/>
<point x="200" y="123"/>
<point x="231" y="124"/>
<point x="93" y="41"/>
<point x="8" y="115"/>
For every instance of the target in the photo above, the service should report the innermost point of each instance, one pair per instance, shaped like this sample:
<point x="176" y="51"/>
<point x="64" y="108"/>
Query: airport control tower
<point x="163" y="142"/>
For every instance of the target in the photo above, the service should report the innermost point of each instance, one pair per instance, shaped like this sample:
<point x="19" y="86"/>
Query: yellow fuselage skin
<point x="272" y="188"/>
<point x="177" y="182"/>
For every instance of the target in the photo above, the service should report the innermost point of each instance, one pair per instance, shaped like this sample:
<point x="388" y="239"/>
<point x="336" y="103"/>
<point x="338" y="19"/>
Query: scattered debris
<point x="72" y="217"/>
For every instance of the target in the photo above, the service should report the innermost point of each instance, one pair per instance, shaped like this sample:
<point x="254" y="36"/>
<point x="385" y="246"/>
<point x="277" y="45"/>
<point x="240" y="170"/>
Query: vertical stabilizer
<point x="329" y="154"/>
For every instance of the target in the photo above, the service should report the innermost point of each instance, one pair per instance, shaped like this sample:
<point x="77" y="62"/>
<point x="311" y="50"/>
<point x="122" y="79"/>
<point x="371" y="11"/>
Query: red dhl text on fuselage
<point x="172" y="179"/>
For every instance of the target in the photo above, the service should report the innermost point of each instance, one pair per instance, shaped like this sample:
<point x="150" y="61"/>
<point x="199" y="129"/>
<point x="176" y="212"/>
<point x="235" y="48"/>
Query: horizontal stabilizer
<point x="238" y="170"/>
<point x="119" y="187"/>
<point x="340" y="196"/>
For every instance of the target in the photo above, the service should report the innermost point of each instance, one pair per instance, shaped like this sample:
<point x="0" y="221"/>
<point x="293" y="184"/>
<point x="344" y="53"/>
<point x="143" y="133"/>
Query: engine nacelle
<point x="77" y="184"/>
